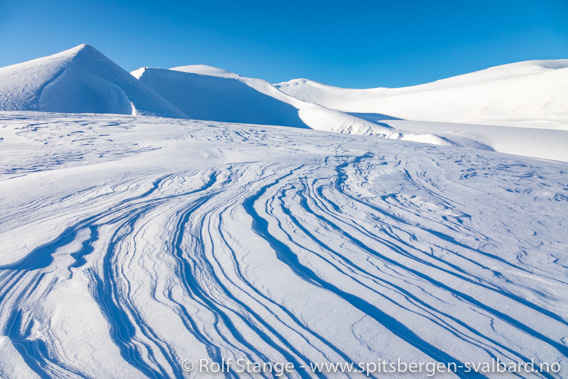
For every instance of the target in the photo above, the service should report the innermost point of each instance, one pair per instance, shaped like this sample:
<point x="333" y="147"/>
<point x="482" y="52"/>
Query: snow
<point x="78" y="80"/>
<point x="294" y="222"/>
<point x="132" y="243"/>
<point x="218" y="98"/>
<point x="210" y="93"/>
<point x="525" y="96"/>
<point x="529" y="142"/>
<point x="201" y="69"/>
<point x="531" y="93"/>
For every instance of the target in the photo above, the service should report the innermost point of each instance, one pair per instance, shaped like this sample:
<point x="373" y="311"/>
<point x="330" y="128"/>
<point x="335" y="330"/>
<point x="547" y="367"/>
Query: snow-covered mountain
<point x="145" y="247"/>
<point x="532" y="93"/>
<point x="78" y="80"/>
<point x="210" y="93"/>
<point x="83" y="80"/>
<point x="529" y="98"/>
<point x="218" y="98"/>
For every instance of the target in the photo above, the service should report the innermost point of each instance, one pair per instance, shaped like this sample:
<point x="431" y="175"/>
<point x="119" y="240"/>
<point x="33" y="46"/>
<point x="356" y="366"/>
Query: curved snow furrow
<point x="474" y="276"/>
<point x="35" y="352"/>
<point x="138" y="354"/>
<point x="201" y="267"/>
<point x="225" y="303"/>
<point x="223" y="246"/>
<point x="515" y="298"/>
<point x="122" y="329"/>
<point x="113" y="300"/>
<point x="453" y="291"/>
<point x="192" y="267"/>
<point x="43" y="257"/>
<point x="126" y="321"/>
<point x="285" y="317"/>
<point x="471" y="276"/>
<point x="19" y="327"/>
<point x="349" y="268"/>
<point x="402" y="247"/>
<point x="249" y="317"/>
<point x="425" y="309"/>
<point x="286" y="255"/>
<point x="436" y="316"/>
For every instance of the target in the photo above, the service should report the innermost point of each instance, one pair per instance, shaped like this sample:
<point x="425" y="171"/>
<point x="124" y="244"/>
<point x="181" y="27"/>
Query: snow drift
<point x="78" y="80"/>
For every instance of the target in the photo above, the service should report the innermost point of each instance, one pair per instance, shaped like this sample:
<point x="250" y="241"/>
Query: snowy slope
<point x="532" y="93"/>
<point x="133" y="244"/>
<point x="519" y="140"/>
<point x="209" y="97"/>
<point x="210" y="93"/>
<point x="527" y="95"/>
<point x="312" y="115"/>
<point x="525" y="141"/>
<point x="78" y="80"/>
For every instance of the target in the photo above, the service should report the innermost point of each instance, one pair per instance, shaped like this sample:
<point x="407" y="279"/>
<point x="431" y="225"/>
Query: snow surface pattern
<point x="130" y="244"/>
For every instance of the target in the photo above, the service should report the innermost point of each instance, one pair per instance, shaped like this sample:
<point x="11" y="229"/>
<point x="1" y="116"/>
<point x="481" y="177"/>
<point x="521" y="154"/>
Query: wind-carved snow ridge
<point x="200" y="240"/>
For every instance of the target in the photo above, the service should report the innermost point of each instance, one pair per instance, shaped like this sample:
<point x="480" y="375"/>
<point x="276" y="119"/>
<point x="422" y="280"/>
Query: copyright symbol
<point x="187" y="365"/>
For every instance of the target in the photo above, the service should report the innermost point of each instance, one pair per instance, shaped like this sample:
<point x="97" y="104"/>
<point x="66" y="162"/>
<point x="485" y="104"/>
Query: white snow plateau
<point x="159" y="223"/>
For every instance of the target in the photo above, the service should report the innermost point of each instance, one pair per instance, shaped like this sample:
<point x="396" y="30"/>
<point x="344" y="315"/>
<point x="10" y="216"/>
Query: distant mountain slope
<point x="214" y="98"/>
<point x="211" y="93"/>
<point x="447" y="112"/>
<point x="78" y="80"/>
<point x="532" y="93"/>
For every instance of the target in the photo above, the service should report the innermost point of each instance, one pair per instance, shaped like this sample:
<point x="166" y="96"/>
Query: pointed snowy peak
<point x="78" y="80"/>
<point x="83" y="48"/>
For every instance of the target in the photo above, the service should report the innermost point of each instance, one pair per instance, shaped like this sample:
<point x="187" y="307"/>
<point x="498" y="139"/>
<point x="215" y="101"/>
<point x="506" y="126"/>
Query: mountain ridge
<point x="83" y="80"/>
<point x="78" y="80"/>
<point x="515" y="100"/>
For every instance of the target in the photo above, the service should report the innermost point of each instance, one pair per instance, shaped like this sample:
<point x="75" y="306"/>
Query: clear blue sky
<point x="353" y="43"/>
